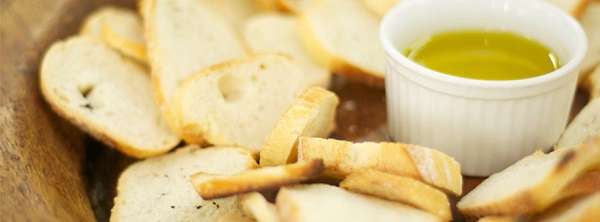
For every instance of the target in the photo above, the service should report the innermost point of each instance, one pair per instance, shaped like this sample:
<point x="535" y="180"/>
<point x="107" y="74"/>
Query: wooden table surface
<point x="49" y="170"/>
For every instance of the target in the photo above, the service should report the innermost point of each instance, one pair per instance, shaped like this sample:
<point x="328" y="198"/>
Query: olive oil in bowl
<point x="484" y="55"/>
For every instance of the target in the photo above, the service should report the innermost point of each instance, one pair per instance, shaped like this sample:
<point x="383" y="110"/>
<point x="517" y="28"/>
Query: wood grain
<point x="41" y="156"/>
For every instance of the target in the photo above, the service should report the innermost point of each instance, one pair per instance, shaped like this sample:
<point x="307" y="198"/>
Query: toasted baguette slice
<point x="158" y="189"/>
<point x="586" y="184"/>
<point x="342" y="158"/>
<point x="118" y="27"/>
<point x="532" y="184"/>
<point x="313" y="114"/>
<point x="235" y="12"/>
<point x="255" y="205"/>
<point x="585" y="126"/>
<point x="238" y="102"/>
<point x="342" y="35"/>
<point x="585" y="209"/>
<point x="320" y="202"/>
<point x="573" y="7"/>
<point x="380" y="7"/>
<point x="184" y="36"/>
<point x="590" y="20"/>
<point x="214" y="186"/>
<point x="294" y="6"/>
<point x="106" y="95"/>
<point x="276" y="33"/>
<point x="402" y="189"/>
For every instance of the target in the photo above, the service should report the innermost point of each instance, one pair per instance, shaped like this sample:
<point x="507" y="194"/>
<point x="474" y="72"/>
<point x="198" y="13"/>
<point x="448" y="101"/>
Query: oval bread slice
<point x="342" y="158"/>
<point x="343" y="35"/>
<point x="184" y="37"/>
<point x="320" y="202"/>
<point x="106" y="95"/>
<point x="313" y="114"/>
<point x="277" y="33"/>
<point x="583" y="209"/>
<point x="159" y="188"/>
<point x="532" y="184"/>
<point x="239" y="102"/>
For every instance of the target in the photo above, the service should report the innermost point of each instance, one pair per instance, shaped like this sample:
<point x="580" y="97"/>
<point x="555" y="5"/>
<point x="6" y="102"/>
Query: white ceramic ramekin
<point x="485" y="125"/>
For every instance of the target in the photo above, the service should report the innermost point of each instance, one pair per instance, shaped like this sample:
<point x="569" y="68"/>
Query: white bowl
<point x="486" y="125"/>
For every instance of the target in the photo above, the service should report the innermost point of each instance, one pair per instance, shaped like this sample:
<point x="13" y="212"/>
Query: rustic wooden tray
<point x="49" y="170"/>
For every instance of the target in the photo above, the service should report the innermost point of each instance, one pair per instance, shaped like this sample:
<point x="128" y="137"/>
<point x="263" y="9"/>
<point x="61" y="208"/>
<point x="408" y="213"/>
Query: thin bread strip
<point x="211" y="186"/>
<point x="277" y="33"/>
<point x="342" y="158"/>
<point x="120" y="28"/>
<point x="320" y="202"/>
<point x="184" y="37"/>
<point x="402" y="189"/>
<point x="313" y="114"/>
<point x="342" y="35"/>
<point x="255" y="205"/>
<point x="105" y="95"/>
<point x="586" y="125"/>
<point x="532" y="184"/>
<point x="233" y="103"/>
<point x="158" y="188"/>
<point x="585" y="209"/>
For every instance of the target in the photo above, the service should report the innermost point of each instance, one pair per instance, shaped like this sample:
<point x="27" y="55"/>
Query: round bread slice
<point x="238" y="102"/>
<point x="106" y="95"/>
<point x="159" y="188"/>
<point x="343" y="35"/>
<point x="277" y="33"/>
<point x="184" y="37"/>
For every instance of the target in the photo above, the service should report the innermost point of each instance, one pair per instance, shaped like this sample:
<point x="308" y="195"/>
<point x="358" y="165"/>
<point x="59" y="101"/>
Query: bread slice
<point x="104" y="94"/>
<point x="278" y="33"/>
<point x="235" y="12"/>
<point x="211" y="186"/>
<point x="585" y="126"/>
<point x="398" y="188"/>
<point x="255" y="205"/>
<point x="320" y="202"/>
<point x="590" y="20"/>
<point x="585" y="209"/>
<point x="343" y="35"/>
<point x="239" y="102"/>
<point x="158" y="189"/>
<point x="313" y="114"/>
<point x="184" y="37"/>
<point x="342" y="158"/>
<point x="380" y="7"/>
<point x="532" y="184"/>
<point x="573" y="7"/>
<point x="586" y="184"/>
<point x="120" y="28"/>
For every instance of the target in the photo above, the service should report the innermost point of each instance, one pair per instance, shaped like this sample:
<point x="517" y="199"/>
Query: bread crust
<point x="133" y="49"/>
<point x="213" y="186"/>
<point x="402" y="189"/>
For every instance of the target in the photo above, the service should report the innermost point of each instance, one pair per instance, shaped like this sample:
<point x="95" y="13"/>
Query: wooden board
<point x="49" y="170"/>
